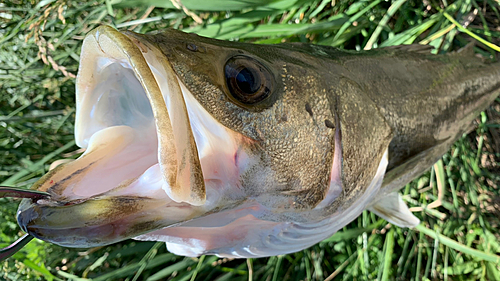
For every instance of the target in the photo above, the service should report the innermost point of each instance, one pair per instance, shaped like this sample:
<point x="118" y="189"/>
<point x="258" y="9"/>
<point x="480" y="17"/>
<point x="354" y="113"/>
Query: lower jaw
<point x="99" y="222"/>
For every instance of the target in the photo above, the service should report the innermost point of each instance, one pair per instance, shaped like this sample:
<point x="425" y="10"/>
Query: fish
<point x="245" y="150"/>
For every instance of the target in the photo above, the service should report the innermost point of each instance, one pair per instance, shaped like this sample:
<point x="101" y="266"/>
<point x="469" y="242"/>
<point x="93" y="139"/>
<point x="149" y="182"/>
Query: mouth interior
<point x="120" y="130"/>
<point x="119" y="97"/>
<point x="115" y="123"/>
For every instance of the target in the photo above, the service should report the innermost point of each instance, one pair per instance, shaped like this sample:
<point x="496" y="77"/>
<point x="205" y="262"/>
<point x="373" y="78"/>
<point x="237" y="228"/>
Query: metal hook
<point x="6" y="191"/>
<point x="13" y="248"/>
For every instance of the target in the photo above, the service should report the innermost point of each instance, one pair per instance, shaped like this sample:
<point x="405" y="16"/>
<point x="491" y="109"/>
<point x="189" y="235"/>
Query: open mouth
<point x="130" y="105"/>
<point x="150" y="150"/>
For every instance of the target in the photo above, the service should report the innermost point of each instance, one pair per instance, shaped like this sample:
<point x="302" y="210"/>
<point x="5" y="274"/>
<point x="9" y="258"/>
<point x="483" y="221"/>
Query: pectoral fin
<point x="394" y="210"/>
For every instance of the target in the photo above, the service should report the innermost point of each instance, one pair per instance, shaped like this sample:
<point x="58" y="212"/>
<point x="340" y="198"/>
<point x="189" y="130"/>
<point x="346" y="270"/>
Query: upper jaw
<point x="142" y="170"/>
<point x="156" y="102"/>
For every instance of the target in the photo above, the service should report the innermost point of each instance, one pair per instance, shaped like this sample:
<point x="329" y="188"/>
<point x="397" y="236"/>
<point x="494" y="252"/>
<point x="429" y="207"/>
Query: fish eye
<point x="247" y="80"/>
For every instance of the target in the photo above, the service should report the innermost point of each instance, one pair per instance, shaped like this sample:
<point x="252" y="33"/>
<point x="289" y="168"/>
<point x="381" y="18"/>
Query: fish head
<point x="260" y="110"/>
<point x="211" y="146"/>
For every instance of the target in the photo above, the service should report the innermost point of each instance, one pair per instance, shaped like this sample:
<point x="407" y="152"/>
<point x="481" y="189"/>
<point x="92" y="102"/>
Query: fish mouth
<point x="149" y="159"/>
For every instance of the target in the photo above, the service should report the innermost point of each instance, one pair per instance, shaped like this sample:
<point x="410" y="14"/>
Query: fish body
<point x="244" y="150"/>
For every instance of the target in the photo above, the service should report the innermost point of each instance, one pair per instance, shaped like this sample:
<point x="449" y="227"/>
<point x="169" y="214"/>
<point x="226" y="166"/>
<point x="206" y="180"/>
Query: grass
<point x="457" y="200"/>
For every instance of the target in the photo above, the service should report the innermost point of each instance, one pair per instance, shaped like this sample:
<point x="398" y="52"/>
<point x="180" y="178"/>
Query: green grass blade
<point x="132" y="268"/>
<point x="272" y="30"/>
<point x="471" y="34"/>
<point x="201" y="5"/>
<point x="352" y="233"/>
<point x="198" y="266"/>
<point x="388" y="255"/>
<point x="353" y="19"/>
<point x="457" y="246"/>
<point x="167" y="271"/>
<point x="72" y="277"/>
<point x="277" y="268"/>
<point x="390" y="12"/>
<point x="13" y="179"/>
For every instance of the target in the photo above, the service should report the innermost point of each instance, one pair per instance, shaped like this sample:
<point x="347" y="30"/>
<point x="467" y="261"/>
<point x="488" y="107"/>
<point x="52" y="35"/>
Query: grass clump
<point x="457" y="199"/>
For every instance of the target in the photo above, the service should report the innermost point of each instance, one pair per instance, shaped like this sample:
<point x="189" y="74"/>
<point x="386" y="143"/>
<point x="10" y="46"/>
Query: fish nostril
<point x="195" y="48"/>
<point x="192" y="47"/>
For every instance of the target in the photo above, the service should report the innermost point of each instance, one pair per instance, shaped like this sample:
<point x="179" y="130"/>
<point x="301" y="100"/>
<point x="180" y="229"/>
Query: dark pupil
<point x="246" y="81"/>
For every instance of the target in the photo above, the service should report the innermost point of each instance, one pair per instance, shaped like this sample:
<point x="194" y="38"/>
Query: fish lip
<point x="30" y="214"/>
<point x="97" y="221"/>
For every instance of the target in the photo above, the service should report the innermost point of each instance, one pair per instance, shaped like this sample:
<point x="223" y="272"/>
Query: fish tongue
<point x="121" y="153"/>
<point x="115" y="155"/>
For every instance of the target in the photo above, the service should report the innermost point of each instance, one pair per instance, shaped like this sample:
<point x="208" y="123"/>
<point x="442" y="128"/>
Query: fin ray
<point x="394" y="210"/>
